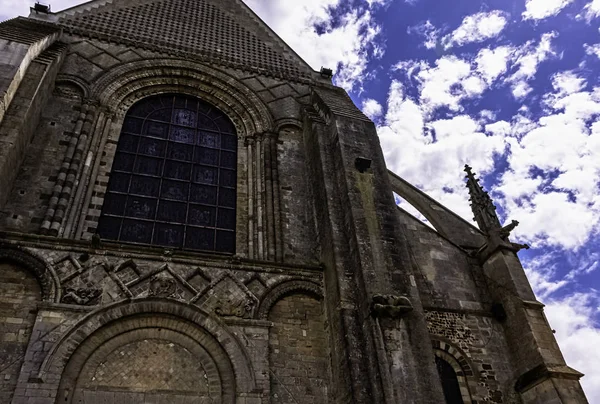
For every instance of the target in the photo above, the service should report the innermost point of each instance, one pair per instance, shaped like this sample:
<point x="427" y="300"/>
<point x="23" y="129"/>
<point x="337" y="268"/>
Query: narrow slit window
<point x="173" y="178"/>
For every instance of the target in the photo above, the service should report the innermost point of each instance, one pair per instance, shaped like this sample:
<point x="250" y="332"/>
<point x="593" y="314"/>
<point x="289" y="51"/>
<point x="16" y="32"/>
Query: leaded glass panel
<point x="173" y="177"/>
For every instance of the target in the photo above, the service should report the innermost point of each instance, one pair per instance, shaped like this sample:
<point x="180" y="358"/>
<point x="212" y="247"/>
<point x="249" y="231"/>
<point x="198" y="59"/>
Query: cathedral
<point x="189" y="213"/>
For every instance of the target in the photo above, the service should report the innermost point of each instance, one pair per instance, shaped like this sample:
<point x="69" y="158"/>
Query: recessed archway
<point x="179" y="333"/>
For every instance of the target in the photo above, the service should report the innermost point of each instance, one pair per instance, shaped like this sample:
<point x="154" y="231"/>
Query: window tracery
<point x="173" y="179"/>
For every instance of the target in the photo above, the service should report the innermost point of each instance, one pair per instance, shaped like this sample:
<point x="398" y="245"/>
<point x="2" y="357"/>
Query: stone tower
<point x="190" y="214"/>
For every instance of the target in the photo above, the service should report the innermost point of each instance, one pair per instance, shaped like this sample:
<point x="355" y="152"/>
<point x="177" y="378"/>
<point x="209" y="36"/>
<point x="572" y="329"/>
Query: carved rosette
<point x="162" y="287"/>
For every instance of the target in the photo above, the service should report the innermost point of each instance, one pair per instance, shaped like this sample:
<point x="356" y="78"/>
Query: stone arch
<point x="445" y="222"/>
<point x="285" y="123"/>
<point x="228" y="363"/>
<point x="286" y="288"/>
<point x="130" y="82"/>
<point x="458" y="361"/>
<point x="43" y="272"/>
<point x="75" y="82"/>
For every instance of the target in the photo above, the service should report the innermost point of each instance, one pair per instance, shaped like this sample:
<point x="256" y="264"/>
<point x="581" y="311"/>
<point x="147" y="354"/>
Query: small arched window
<point x="449" y="379"/>
<point x="173" y="178"/>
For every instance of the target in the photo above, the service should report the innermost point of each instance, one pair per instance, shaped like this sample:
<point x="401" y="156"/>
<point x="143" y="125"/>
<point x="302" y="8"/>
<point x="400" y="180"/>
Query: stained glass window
<point x="173" y="179"/>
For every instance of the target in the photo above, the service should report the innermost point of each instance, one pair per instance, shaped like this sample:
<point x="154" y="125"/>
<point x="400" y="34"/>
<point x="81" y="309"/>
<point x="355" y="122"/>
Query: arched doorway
<point x="449" y="380"/>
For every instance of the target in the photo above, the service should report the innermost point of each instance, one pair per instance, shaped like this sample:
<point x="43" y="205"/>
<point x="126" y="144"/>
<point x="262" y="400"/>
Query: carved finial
<point x="481" y="204"/>
<point x="485" y="215"/>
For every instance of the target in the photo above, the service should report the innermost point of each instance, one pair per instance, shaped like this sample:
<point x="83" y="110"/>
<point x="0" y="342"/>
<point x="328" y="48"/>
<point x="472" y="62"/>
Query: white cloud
<point x="578" y="333"/>
<point x="13" y="8"/>
<point x="487" y="115"/>
<point x="573" y="316"/>
<point x="428" y="31"/>
<point x="527" y="60"/>
<point x="521" y="90"/>
<point x="541" y="9"/>
<point x="372" y="108"/>
<point x="592" y="49"/>
<point x="452" y="80"/>
<point x="501" y="128"/>
<point x="557" y="204"/>
<point x="552" y="219"/>
<point x="567" y="83"/>
<point x="432" y="156"/>
<point x="477" y="28"/>
<point x="444" y="84"/>
<point x="590" y="11"/>
<point x="491" y="63"/>
<point x="530" y="57"/>
<point x="345" y="47"/>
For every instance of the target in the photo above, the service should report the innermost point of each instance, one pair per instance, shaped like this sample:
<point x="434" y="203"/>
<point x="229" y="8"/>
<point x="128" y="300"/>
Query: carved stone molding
<point x="285" y="288"/>
<point x="162" y="287"/>
<point x="81" y="296"/>
<point x="45" y="275"/>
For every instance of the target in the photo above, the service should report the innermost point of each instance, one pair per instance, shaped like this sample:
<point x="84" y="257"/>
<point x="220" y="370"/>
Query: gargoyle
<point x="390" y="306"/>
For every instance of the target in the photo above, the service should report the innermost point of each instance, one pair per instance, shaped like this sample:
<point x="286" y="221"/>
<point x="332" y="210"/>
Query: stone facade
<point x="333" y="294"/>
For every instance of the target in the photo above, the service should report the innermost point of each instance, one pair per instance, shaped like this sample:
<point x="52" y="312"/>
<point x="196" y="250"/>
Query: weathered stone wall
<point x="446" y="275"/>
<point x="33" y="186"/>
<point x="477" y="343"/>
<point x="298" y="351"/>
<point x="64" y="119"/>
<point x="245" y="298"/>
<point x="19" y="123"/>
<point x="458" y="312"/>
<point x="19" y="296"/>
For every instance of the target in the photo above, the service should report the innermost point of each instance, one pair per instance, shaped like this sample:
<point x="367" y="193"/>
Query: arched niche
<point x="283" y="289"/>
<point x="37" y="266"/>
<point x="81" y="362"/>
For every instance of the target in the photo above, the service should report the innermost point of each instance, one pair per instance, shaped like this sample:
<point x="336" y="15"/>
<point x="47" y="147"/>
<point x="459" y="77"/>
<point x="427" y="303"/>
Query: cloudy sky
<point x="511" y="87"/>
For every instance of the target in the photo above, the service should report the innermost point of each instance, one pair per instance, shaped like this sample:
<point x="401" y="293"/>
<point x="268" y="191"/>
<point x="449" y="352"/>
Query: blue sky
<point x="511" y="87"/>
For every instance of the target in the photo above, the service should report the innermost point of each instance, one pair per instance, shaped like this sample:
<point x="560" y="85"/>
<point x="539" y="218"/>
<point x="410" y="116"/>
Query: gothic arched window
<point x="449" y="380"/>
<point x="173" y="178"/>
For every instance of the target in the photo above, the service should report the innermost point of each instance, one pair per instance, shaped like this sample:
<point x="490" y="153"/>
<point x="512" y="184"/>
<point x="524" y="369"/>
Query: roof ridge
<point x="225" y="32"/>
<point x="262" y="25"/>
<point x="89" y="6"/>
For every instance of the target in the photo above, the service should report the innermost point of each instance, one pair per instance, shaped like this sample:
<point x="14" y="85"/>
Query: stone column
<point x="264" y="220"/>
<point x="69" y="170"/>
<point x="251" y="219"/>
